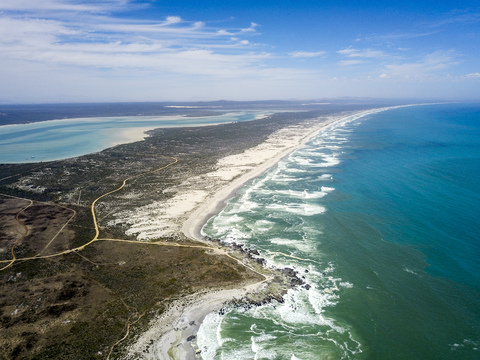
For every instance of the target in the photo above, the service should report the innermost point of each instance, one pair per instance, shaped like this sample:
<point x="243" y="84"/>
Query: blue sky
<point x="148" y="50"/>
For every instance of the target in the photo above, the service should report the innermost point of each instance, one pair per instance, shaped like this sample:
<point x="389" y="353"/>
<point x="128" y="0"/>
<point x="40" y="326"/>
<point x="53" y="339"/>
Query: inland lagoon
<point x="61" y="139"/>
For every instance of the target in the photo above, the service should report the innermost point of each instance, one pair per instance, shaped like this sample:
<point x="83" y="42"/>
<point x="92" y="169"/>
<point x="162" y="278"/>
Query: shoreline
<point x="173" y="334"/>
<point x="110" y="138"/>
<point x="198" y="218"/>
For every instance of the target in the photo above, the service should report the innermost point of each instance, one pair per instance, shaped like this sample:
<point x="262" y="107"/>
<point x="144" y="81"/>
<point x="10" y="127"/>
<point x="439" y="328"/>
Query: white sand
<point x="168" y="335"/>
<point x="199" y="199"/>
<point x="129" y="135"/>
<point x="165" y="219"/>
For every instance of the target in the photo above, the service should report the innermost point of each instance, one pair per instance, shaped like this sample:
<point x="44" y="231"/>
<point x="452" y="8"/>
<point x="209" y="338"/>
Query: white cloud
<point x="103" y="47"/>
<point x="306" y="54"/>
<point x="172" y="20"/>
<point x="93" y="50"/>
<point x="440" y="59"/>
<point x="430" y="65"/>
<point x="458" y="16"/>
<point x="224" y="32"/>
<point x="368" y="53"/>
<point x="59" y="8"/>
<point x="251" y="28"/>
<point x="55" y="5"/>
<point x="473" y="75"/>
<point x="102" y="41"/>
<point x="399" y="36"/>
<point x="350" y="62"/>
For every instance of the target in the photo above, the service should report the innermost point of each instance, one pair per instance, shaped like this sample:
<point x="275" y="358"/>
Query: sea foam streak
<point x="384" y="259"/>
<point x="281" y="207"/>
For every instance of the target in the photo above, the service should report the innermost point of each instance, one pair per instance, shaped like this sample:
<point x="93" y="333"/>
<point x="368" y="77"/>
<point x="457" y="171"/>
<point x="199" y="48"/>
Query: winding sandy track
<point x="95" y="222"/>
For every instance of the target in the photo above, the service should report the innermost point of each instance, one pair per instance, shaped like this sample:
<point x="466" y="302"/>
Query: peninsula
<point x="102" y="255"/>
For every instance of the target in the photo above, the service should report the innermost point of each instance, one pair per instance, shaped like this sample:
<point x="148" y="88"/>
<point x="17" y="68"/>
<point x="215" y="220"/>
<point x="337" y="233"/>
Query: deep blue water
<point x="381" y="216"/>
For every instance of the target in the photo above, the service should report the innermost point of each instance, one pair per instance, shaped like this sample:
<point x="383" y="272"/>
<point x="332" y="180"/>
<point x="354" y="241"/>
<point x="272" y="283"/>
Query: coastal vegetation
<point x="72" y="287"/>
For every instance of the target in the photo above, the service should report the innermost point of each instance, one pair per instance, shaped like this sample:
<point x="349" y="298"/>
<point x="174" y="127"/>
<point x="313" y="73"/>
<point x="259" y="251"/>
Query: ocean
<point x="380" y="216"/>
<point x="62" y="139"/>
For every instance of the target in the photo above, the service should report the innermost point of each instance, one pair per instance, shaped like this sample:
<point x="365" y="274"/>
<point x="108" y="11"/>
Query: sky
<point x="180" y="50"/>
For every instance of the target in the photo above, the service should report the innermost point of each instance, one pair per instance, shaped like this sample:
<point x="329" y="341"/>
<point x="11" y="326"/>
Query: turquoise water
<point x="380" y="215"/>
<point x="61" y="139"/>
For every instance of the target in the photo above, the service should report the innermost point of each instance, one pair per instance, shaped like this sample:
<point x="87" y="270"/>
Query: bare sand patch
<point x="168" y="336"/>
<point x="201" y="196"/>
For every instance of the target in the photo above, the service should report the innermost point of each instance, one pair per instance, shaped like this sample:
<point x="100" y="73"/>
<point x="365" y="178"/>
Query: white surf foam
<point x="299" y="209"/>
<point x="296" y="244"/>
<point x="262" y="226"/>
<point x="327" y="189"/>
<point x="325" y="177"/>
<point x="207" y="335"/>
<point x="260" y="352"/>
<point x="303" y="194"/>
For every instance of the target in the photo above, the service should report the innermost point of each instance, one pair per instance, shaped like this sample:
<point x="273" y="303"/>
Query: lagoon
<point x="62" y="139"/>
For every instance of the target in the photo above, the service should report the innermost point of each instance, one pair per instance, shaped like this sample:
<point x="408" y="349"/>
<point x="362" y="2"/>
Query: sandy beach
<point x="129" y="135"/>
<point x="198" y="198"/>
<point x="172" y="335"/>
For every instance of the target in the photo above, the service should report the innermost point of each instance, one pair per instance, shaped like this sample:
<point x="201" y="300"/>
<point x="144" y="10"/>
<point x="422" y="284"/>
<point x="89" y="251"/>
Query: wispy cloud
<point x="350" y="62"/>
<point x="426" y="29"/>
<point x="429" y="65"/>
<point x="58" y="6"/>
<point x="252" y="28"/>
<point x="457" y="17"/>
<point x="110" y="56"/>
<point x="110" y="46"/>
<point x="223" y="32"/>
<point x="97" y="39"/>
<point x="399" y="35"/>
<point x="306" y="54"/>
<point x="357" y="53"/>
<point x="172" y="20"/>
<point x="473" y="75"/>
<point x="351" y="56"/>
